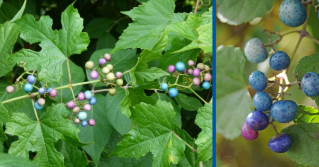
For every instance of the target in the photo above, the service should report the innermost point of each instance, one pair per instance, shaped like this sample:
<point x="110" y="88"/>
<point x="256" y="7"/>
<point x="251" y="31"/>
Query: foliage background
<point x="241" y="152"/>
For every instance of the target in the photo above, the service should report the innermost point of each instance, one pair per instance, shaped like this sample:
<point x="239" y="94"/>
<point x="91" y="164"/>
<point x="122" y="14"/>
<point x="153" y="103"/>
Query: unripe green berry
<point x="89" y="65"/>
<point x="105" y="70"/>
<point x="112" y="91"/>
<point x="110" y="67"/>
<point x="119" y="82"/>
<point x="206" y="67"/>
<point x="110" y="76"/>
<point x="201" y="66"/>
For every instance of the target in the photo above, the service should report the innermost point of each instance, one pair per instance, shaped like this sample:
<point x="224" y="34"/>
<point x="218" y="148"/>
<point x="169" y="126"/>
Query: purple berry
<point x="41" y="90"/>
<point x="71" y="104"/>
<point x="171" y="68"/>
<point x="94" y="74"/>
<point x="10" y="89"/>
<point x="191" y="62"/>
<point x="53" y="93"/>
<point x="185" y="70"/>
<point x="91" y="122"/>
<point x="257" y="120"/>
<point x="190" y="71"/>
<point x="107" y="57"/>
<point x="119" y="75"/>
<point x="87" y="107"/>
<point x="102" y="61"/>
<point x="207" y="77"/>
<point x="280" y="143"/>
<point x="41" y="101"/>
<point x="248" y="133"/>
<point x="196" y="72"/>
<point x="31" y="79"/>
<point x="81" y="96"/>
<point x="196" y="81"/>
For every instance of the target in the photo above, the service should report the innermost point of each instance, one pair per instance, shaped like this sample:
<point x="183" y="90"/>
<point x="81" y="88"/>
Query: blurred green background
<point x="241" y="152"/>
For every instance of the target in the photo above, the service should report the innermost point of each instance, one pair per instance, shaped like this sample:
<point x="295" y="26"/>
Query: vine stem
<point x="35" y="111"/>
<point x="69" y="71"/>
<point x="184" y="142"/>
<point x="196" y="7"/>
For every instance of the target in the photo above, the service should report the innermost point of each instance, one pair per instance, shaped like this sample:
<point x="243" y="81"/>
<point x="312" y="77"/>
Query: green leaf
<point x="305" y="143"/>
<point x="187" y="28"/>
<point x="19" y="14"/>
<point x="234" y="12"/>
<point x="35" y="136"/>
<point x="4" y="115"/>
<point x="188" y="103"/>
<point x="56" y="46"/>
<point x="306" y="114"/>
<point x="145" y="161"/>
<point x="106" y="40"/>
<point x="8" y="160"/>
<point x="149" y="22"/>
<point x="126" y="106"/>
<point x="73" y="157"/>
<point x="153" y="132"/>
<point x="232" y="96"/>
<point x="8" y="11"/>
<point x="204" y="120"/>
<point x="98" y="134"/>
<point x="97" y="27"/>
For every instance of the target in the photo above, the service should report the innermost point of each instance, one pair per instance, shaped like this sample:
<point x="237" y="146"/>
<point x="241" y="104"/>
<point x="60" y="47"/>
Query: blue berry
<point x="173" y="92"/>
<point x="93" y="101"/>
<point x="180" y="66"/>
<point x="257" y="120"/>
<point x="279" y="61"/>
<point x="28" y="87"/>
<point x="310" y="84"/>
<point x="280" y="143"/>
<point x="41" y="90"/>
<point x="255" y="51"/>
<point x="31" y="79"/>
<point x="164" y="86"/>
<point x="88" y="94"/>
<point x="84" y="123"/>
<point x="206" y="85"/>
<point x="262" y="101"/>
<point x="292" y="13"/>
<point x="37" y="106"/>
<point x="49" y="89"/>
<point x="258" y="80"/>
<point x="82" y="115"/>
<point x="284" y="111"/>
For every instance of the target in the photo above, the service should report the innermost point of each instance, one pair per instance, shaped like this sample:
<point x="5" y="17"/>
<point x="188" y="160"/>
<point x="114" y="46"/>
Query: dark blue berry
<point x="262" y="101"/>
<point x="255" y="51"/>
<point x="258" y="80"/>
<point x="257" y="120"/>
<point x="279" y="61"/>
<point x="292" y="13"/>
<point x="310" y="84"/>
<point x="284" y="111"/>
<point x="280" y="143"/>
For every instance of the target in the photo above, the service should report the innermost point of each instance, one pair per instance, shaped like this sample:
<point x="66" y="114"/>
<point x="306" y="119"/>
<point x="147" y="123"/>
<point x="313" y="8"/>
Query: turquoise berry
<point x="84" y="123"/>
<point x="93" y="101"/>
<point x="206" y="85"/>
<point x="88" y="94"/>
<point x="28" y="87"/>
<point x="82" y="115"/>
<point x="37" y="106"/>
<point x="173" y="92"/>
<point x="49" y="89"/>
<point x="180" y="66"/>
<point x="164" y="86"/>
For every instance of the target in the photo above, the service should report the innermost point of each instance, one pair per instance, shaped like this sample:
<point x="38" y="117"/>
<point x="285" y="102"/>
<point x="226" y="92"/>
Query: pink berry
<point x="87" y="107"/>
<point x="107" y="57"/>
<point x="185" y="70"/>
<point x="10" y="89"/>
<point x="71" y="104"/>
<point x="248" y="133"/>
<point x="81" y="96"/>
<point x="207" y="77"/>
<point x="171" y="68"/>
<point x="190" y="71"/>
<point x="41" y="101"/>
<point x="94" y="74"/>
<point x="91" y="122"/>
<point x="102" y="61"/>
<point x="196" y="81"/>
<point x="119" y="75"/>
<point x="191" y="62"/>
<point x="196" y="72"/>
<point x="53" y="93"/>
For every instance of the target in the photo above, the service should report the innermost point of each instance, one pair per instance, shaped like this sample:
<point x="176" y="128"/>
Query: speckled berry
<point x="262" y="101"/>
<point x="171" y="68"/>
<point x="191" y="62"/>
<point x="107" y="57"/>
<point x="207" y="77"/>
<point x="41" y="90"/>
<point x="196" y="81"/>
<point x="87" y="107"/>
<point x="258" y="80"/>
<point x="310" y="84"/>
<point x="257" y="120"/>
<point x="284" y="111"/>
<point x="91" y="122"/>
<point x="53" y="93"/>
<point x="81" y="96"/>
<point x="10" y="89"/>
<point x="71" y="104"/>
<point x="280" y="143"/>
<point x="41" y="101"/>
<point x="292" y="13"/>
<point x="248" y="133"/>
<point x="279" y="61"/>
<point x="196" y="72"/>
<point x="102" y="61"/>
<point x="255" y="51"/>
<point x="119" y="75"/>
<point x="94" y="74"/>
